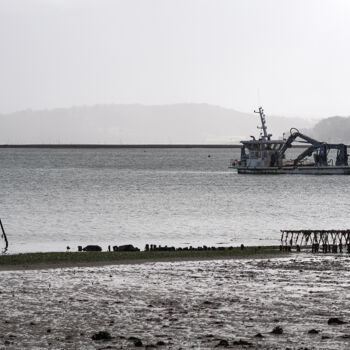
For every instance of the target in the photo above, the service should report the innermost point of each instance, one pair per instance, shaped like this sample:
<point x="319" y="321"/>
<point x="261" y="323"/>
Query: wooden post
<point x="4" y="237"/>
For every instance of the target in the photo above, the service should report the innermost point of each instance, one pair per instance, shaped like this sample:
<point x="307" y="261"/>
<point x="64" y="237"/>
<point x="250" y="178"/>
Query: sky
<point x="292" y="57"/>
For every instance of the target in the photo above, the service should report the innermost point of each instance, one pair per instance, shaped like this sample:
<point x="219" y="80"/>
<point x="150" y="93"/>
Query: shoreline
<point x="45" y="266"/>
<point x="124" y="146"/>
<point x="82" y="146"/>
<point x="54" y="260"/>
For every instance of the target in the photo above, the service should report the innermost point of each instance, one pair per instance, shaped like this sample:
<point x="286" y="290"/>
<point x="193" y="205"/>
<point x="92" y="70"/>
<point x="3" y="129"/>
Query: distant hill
<point x="138" y="124"/>
<point x="333" y="129"/>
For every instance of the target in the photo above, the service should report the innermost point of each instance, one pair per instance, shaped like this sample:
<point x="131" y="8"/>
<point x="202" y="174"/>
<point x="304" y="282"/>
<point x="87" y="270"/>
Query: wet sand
<point x="188" y="304"/>
<point x="43" y="266"/>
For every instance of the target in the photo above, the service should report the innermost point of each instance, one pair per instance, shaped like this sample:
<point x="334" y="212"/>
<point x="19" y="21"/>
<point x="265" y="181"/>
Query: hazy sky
<point x="291" y="56"/>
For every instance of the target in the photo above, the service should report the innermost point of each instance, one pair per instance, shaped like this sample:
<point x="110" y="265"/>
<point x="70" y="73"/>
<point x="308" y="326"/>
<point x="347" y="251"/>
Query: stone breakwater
<point x="294" y="302"/>
<point x="155" y="248"/>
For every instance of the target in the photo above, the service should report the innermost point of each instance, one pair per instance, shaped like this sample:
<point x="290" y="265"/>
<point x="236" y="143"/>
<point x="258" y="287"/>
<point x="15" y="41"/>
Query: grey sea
<point x="54" y="198"/>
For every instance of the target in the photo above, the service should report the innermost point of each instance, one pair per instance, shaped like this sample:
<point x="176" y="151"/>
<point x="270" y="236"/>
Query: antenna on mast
<point x="263" y="126"/>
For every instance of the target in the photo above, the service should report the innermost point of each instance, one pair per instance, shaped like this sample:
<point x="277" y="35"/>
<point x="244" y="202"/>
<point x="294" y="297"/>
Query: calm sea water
<point x="54" y="198"/>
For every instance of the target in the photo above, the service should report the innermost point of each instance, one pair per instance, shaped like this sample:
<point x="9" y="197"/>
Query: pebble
<point x="222" y="342"/>
<point x="133" y="338"/>
<point x="101" y="335"/>
<point x="335" y="320"/>
<point x="277" y="330"/>
<point x="138" y="343"/>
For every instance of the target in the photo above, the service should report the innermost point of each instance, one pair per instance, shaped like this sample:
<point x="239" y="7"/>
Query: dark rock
<point x="125" y="248"/>
<point x="259" y="335"/>
<point x="222" y="342"/>
<point x="48" y="330"/>
<point x="241" y="342"/>
<point x="160" y="343"/>
<point x="325" y="337"/>
<point x="277" y="330"/>
<point x="134" y="338"/>
<point x="313" y="331"/>
<point x="101" y="335"/>
<point x="92" y="248"/>
<point x="138" y="343"/>
<point x="335" y="321"/>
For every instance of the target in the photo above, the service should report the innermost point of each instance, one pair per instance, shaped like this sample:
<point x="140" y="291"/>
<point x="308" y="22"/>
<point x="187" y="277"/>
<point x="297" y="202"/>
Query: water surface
<point x="51" y="198"/>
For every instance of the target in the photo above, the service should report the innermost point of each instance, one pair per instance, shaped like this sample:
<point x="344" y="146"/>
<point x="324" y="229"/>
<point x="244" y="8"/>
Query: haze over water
<point x="54" y="198"/>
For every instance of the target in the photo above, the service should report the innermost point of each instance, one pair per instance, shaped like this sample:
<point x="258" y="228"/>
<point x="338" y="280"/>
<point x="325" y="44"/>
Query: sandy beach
<point x="172" y="305"/>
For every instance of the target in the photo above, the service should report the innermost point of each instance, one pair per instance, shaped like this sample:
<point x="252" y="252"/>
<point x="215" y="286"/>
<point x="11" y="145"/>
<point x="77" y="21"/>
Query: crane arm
<point x="292" y="138"/>
<point x="307" y="153"/>
<point x="342" y="155"/>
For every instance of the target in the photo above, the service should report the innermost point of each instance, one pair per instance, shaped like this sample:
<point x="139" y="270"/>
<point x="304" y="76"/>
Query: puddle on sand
<point x="183" y="304"/>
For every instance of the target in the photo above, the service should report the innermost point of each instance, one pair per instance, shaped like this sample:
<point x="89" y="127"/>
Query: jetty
<point x="325" y="241"/>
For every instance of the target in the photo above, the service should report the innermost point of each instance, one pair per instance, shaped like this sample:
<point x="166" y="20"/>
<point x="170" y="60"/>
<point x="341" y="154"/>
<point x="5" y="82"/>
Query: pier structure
<point x="325" y="241"/>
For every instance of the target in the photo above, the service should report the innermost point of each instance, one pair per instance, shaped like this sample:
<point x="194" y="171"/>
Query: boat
<point x="268" y="156"/>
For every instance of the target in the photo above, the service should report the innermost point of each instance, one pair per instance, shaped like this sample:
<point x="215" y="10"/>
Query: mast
<point x="263" y="126"/>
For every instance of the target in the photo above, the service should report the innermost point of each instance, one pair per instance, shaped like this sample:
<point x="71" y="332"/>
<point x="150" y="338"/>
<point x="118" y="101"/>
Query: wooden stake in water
<point x="4" y="237"/>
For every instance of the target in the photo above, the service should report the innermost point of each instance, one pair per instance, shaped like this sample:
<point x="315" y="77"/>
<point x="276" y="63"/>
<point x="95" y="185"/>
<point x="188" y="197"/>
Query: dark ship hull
<point x="302" y="170"/>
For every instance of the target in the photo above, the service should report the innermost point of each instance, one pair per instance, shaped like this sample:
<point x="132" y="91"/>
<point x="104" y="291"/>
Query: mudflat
<point x="79" y="259"/>
<point x="277" y="303"/>
<point x="57" y="265"/>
